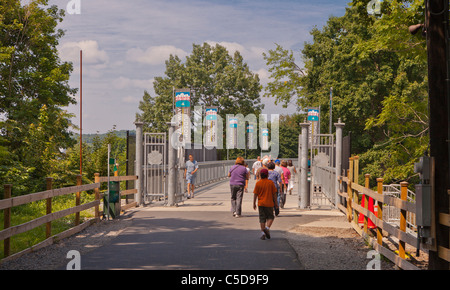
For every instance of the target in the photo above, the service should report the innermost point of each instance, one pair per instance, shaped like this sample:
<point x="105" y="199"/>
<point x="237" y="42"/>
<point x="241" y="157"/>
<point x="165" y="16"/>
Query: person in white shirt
<point x="256" y="166"/>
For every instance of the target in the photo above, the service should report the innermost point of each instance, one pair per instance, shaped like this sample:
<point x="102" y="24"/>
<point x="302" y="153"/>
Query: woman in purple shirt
<point x="239" y="175"/>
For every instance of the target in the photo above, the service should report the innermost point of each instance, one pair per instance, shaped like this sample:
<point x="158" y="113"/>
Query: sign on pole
<point x="211" y="127"/>
<point x="265" y="139"/>
<point x="314" y="120"/>
<point x="250" y="131"/>
<point x="183" y="111"/>
<point x="232" y="136"/>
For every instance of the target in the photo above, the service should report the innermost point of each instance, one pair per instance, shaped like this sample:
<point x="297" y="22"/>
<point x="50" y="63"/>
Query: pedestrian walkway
<point x="202" y="234"/>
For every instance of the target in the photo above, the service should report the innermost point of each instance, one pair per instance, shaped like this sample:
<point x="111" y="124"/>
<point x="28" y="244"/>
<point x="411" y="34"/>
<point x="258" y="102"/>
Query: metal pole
<point x="81" y="112"/>
<point x="172" y="167"/>
<point x="331" y="110"/>
<point x="304" y="190"/>
<point x="139" y="161"/>
<point x="339" y="127"/>
<point x="107" y="194"/>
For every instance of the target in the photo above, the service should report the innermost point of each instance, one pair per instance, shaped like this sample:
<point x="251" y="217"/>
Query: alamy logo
<point x="75" y="262"/>
<point x="374" y="7"/>
<point x="74" y="7"/>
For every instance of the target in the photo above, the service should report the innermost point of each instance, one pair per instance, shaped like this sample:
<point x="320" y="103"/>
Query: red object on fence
<point x="370" y="207"/>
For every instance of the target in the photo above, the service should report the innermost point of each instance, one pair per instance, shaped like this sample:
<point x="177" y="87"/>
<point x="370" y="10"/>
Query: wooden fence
<point x="9" y="202"/>
<point x="354" y="208"/>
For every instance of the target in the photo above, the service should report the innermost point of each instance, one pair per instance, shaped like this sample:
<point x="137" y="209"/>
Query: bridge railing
<point x="325" y="177"/>
<point x="352" y="194"/>
<point x="8" y="202"/>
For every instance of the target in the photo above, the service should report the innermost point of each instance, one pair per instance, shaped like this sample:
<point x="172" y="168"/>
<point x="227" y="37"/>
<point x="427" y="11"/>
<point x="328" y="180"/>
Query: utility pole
<point x="436" y="24"/>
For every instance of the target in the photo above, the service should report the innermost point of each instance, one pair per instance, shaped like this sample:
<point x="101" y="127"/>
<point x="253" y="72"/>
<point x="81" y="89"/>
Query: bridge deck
<point x="201" y="233"/>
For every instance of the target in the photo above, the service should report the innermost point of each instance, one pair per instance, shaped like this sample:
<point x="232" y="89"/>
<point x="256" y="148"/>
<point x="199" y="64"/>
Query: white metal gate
<point x="323" y="173"/>
<point x="155" y="166"/>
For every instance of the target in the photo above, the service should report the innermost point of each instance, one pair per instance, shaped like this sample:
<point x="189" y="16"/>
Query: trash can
<point x="114" y="191"/>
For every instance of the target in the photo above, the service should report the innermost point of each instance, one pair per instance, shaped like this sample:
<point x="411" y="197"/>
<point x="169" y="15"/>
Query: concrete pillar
<point x="304" y="198"/>
<point x="172" y="185"/>
<point x="139" y="163"/>
<point x="339" y="127"/>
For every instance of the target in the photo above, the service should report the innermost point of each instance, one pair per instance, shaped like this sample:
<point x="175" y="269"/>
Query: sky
<point x="125" y="45"/>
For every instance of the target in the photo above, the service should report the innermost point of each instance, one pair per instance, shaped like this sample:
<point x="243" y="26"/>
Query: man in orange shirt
<point x="266" y="193"/>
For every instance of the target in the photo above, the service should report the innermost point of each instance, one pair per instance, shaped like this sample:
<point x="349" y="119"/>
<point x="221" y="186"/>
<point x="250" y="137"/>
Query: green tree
<point x="218" y="79"/>
<point x="33" y="91"/>
<point x="32" y="74"/>
<point x="377" y="70"/>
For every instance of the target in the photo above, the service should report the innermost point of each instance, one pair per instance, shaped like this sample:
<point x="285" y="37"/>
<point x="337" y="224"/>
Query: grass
<point x="25" y="213"/>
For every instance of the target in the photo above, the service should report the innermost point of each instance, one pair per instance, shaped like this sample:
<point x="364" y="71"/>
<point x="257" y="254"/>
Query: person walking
<point x="190" y="174"/>
<point x="248" y="177"/>
<point x="263" y="165"/>
<point x="276" y="179"/>
<point x="280" y="171"/>
<point x="238" y="175"/>
<point x="287" y="176"/>
<point x="265" y="192"/>
<point x="293" y="171"/>
<point x="256" y="166"/>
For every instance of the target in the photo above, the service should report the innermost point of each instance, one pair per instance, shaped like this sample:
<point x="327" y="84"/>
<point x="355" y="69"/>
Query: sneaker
<point x="263" y="237"/>
<point x="237" y="216"/>
<point x="267" y="232"/>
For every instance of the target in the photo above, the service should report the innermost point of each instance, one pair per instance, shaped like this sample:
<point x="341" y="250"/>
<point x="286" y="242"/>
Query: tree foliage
<point x="215" y="77"/>
<point x="377" y="70"/>
<point x="34" y="90"/>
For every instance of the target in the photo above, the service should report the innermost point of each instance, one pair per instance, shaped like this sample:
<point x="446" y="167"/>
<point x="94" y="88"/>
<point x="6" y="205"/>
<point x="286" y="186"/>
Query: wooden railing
<point x="9" y="202"/>
<point x="354" y="208"/>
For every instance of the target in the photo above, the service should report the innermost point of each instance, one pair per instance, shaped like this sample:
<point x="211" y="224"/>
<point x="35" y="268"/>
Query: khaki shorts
<point x="265" y="213"/>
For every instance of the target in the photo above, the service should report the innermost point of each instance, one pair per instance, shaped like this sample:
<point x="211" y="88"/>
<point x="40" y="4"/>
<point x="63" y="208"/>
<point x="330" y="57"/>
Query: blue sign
<point x="313" y="115"/>
<point x="182" y="99"/>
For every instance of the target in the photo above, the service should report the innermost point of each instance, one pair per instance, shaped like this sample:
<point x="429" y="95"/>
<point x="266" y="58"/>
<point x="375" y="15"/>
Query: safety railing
<point x="353" y="196"/>
<point x="325" y="177"/>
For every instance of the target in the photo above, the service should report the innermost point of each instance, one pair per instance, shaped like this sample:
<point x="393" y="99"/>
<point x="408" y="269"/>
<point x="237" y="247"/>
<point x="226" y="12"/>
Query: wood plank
<point x="444" y="219"/>
<point x="130" y="205"/>
<point x="6" y="233"/>
<point x="118" y="178"/>
<point x="51" y="240"/>
<point x="128" y="192"/>
<point x="444" y="253"/>
<point x="390" y="200"/>
<point x="24" y="199"/>
<point x="403" y="236"/>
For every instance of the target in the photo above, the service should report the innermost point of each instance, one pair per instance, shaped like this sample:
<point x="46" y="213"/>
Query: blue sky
<point x="125" y="44"/>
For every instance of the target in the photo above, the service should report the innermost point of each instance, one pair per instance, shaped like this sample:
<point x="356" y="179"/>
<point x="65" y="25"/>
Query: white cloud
<point x="131" y="100"/>
<point x="122" y="83"/>
<point x="154" y="55"/>
<point x="264" y="76"/>
<point x="92" y="54"/>
<point x="251" y="53"/>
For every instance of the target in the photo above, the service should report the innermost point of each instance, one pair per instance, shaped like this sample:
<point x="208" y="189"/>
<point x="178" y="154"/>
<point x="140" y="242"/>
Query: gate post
<point x="304" y="201"/>
<point x="171" y="186"/>
<point x="339" y="127"/>
<point x="139" y="161"/>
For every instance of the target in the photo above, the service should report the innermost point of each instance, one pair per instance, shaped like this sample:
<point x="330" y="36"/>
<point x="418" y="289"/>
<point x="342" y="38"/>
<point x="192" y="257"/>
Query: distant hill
<point x="88" y="138"/>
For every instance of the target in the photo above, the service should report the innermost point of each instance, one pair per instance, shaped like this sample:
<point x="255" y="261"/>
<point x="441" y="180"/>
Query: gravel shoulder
<point x="327" y="248"/>
<point x="54" y="257"/>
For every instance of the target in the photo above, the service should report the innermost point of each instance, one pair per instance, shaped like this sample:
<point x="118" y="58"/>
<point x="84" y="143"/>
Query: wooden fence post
<point x="48" y="226"/>
<point x="97" y="195"/>
<point x="77" y="200"/>
<point x="355" y="193"/>
<point x="366" y="201"/>
<point x="403" y="196"/>
<point x="7" y="221"/>
<point x="380" y="211"/>
<point x="350" y="190"/>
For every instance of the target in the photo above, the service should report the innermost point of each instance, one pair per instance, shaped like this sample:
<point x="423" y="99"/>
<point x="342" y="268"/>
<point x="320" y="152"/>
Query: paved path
<point x="202" y="234"/>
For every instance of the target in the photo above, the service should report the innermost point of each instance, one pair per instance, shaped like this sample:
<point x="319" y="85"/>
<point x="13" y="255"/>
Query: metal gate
<point x="323" y="173"/>
<point x="155" y="166"/>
